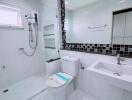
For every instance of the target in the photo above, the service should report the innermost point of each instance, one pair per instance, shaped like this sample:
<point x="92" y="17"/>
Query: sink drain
<point x="117" y="74"/>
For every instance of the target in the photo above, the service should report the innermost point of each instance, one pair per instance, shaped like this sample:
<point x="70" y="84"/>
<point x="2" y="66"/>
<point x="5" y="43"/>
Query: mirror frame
<point x="105" y="49"/>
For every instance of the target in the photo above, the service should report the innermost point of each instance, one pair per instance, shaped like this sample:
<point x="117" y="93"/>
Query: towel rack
<point x="97" y="27"/>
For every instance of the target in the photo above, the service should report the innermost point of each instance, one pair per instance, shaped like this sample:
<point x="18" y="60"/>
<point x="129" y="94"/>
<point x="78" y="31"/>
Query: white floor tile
<point x="80" y="95"/>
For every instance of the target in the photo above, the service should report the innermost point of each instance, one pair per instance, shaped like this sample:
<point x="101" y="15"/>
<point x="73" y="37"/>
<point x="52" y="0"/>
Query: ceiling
<point x="75" y="4"/>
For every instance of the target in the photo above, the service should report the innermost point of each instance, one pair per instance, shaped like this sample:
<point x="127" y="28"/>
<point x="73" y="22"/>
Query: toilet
<point x="61" y="84"/>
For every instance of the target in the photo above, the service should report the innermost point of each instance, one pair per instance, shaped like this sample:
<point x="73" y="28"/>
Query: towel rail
<point x="96" y="27"/>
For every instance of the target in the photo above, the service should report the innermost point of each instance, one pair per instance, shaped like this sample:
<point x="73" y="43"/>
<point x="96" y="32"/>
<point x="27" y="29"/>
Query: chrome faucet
<point x="119" y="59"/>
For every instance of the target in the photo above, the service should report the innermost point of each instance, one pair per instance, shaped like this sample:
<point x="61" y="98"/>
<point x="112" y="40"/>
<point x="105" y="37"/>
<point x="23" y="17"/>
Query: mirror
<point x="122" y="27"/>
<point x="93" y="22"/>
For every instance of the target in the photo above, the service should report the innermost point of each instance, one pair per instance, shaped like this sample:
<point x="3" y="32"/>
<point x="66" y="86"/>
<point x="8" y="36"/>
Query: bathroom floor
<point x="80" y="95"/>
<point x="34" y="85"/>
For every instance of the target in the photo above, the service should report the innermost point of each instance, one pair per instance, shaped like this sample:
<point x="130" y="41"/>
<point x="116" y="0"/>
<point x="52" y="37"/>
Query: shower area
<point x="26" y="47"/>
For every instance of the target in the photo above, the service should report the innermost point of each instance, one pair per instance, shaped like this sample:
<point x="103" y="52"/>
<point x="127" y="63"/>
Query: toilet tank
<point x="70" y="65"/>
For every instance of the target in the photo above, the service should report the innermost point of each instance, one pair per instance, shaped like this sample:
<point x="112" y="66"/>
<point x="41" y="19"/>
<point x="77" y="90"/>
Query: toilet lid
<point x="58" y="79"/>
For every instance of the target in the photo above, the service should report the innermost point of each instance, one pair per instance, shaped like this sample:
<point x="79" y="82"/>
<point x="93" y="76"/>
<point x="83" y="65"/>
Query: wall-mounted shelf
<point x="48" y="34"/>
<point x="50" y="43"/>
<point x="49" y="30"/>
<point x="50" y="47"/>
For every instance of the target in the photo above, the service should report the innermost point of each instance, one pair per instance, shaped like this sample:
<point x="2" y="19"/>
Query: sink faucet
<point x="119" y="59"/>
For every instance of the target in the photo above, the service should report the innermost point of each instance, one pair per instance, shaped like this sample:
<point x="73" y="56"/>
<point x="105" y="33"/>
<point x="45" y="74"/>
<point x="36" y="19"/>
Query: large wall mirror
<point x="88" y="21"/>
<point x="97" y="26"/>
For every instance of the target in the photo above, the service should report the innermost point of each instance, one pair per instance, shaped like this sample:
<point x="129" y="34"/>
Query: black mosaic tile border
<point x="106" y="49"/>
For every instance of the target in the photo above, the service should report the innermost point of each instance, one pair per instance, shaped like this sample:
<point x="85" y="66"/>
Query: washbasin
<point x="117" y="75"/>
<point x="108" y="68"/>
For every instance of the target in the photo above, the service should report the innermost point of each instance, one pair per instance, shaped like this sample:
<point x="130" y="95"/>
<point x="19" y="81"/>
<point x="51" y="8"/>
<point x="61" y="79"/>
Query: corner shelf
<point x="49" y="30"/>
<point x="49" y="36"/>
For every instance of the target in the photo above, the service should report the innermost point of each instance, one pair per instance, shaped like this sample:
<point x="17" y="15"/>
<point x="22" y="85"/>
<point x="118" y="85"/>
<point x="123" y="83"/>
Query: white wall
<point x="19" y="66"/>
<point x="93" y="85"/>
<point x="94" y="15"/>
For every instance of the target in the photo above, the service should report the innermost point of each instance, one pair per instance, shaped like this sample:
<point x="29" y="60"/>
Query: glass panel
<point x="50" y="30"/>
<point x="122" y="31"/>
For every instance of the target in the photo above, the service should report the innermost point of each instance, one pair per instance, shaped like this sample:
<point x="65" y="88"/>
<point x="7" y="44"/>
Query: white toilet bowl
<point x="59" y="87"/>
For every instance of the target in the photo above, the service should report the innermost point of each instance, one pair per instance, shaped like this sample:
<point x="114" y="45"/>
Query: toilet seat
<point x="58" y="80"/>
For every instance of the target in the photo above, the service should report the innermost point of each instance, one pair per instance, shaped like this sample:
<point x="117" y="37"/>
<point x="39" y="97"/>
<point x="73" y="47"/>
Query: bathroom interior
<point x="65" y="50"/>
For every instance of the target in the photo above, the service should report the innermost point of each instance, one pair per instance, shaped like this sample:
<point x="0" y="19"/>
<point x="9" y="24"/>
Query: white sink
<point x="117" y="75"/>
